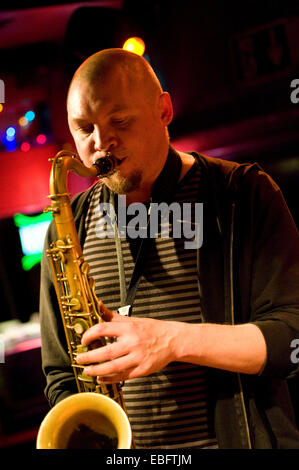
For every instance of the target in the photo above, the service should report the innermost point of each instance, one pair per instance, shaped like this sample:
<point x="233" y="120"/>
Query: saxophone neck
<point x="63" y="162"/>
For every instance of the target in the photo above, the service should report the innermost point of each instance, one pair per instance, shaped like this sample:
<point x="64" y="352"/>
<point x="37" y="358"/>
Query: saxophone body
<point x="96" y="411"/>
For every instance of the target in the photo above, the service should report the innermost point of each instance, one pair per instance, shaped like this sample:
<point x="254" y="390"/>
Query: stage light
<point x="10" y="135"/>
<point x="41" y="139"/>
<point x="10" y="143"/>
<point x="23" y="122"/>
<point x="1" y="107"/>
<point x="135" y="45"/>
<point x="25" y="146"/>
<point x="10" y="132"/>
<point x="30" y="115"/>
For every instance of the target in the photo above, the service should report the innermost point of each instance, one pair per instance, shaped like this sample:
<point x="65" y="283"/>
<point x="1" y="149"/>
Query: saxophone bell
<point x="85" y="421"/>
<point x="105" y="164"/>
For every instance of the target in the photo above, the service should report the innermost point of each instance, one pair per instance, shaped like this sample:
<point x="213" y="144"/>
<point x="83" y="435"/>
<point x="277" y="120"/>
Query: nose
<point x="104" y="139"/>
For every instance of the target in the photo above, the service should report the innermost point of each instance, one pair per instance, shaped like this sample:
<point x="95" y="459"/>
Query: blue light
<point x="11" y="146"/>
<point x="33" y="237"/>
<point x="30" y="115"/>
<point x="9" y="142"/>
<point x="10" y="132"/>
<point x="10" y="138"/>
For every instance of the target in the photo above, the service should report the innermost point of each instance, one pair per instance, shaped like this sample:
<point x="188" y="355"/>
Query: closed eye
<point x="120" y="122"/>
<point x="86" y="129"/>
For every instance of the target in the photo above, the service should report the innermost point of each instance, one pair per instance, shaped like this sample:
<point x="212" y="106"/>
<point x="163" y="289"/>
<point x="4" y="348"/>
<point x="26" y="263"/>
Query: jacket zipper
<point x="232" y="311"/>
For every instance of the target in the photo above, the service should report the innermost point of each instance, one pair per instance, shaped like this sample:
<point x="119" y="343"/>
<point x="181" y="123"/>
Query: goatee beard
<point x="121" y="185"/>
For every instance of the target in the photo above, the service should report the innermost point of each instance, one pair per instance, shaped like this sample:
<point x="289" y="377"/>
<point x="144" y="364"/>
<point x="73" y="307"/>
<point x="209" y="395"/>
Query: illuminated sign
<point x="32" y="231"/>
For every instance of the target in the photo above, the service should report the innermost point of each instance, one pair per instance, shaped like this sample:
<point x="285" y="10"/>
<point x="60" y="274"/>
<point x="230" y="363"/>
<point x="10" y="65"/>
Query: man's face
<point x="117" y="118"/>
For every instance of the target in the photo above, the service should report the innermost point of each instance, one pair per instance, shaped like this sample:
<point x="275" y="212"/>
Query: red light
<point x="25" y="147"/>
<point x="41" y="139"/>
<point x="26" y="345"/>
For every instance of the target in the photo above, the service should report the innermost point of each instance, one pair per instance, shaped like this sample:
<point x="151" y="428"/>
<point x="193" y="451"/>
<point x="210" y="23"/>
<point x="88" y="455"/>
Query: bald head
<point x="116" y="104"/>
<point x="128" y="68"/>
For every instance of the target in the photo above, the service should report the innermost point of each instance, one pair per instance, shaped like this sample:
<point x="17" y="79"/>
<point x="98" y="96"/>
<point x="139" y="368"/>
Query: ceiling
<point x="19" y="27"/>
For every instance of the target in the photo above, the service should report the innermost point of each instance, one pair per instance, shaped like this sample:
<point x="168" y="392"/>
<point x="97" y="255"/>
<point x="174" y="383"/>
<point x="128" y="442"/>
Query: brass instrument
<point x="99" y="412"/>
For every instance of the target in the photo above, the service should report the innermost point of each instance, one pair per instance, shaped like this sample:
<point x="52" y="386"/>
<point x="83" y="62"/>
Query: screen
<point x="32" y="232"/>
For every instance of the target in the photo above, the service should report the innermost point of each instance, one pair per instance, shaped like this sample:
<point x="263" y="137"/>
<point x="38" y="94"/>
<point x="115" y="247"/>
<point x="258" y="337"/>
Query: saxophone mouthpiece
<point x="105" y="164"/>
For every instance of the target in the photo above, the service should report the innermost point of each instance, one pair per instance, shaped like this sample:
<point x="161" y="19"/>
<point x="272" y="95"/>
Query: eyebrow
<point x="78" y="120"/>
<point x="118" y="107"/>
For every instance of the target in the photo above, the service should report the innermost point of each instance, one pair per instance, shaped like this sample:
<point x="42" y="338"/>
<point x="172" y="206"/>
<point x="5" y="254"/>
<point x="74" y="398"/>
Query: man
<point x="207" y="347"/>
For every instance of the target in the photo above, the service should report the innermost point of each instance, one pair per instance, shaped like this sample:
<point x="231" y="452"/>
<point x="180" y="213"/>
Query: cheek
<point x="151" y="129"/>
<point x="143" y="134"/>
<point x="82" y="144"/>
<point x="83" y="150"/>
<point x="149" y="140"/>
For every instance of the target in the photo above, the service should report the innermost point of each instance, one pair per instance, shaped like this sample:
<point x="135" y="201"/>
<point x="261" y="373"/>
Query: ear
<point x="165" y="106"/>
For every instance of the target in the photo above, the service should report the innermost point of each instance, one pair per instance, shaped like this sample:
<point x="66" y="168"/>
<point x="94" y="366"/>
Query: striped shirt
<point x="170" y="408"/>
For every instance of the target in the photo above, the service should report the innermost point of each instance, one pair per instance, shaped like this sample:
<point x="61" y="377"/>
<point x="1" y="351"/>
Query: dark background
<point x="228" y="66"/>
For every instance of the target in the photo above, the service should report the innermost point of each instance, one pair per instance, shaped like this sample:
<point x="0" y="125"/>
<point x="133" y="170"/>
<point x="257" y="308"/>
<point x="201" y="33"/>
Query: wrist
<point x="188" y="343"/>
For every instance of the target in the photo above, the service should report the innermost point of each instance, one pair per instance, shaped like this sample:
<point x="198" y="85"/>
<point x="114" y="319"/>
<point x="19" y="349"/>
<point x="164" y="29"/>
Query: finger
<point x="114" y="367"/>
<point x="108" y="329"/>
<point x="116" y="378"/>
<point x="130" y="373"/>
<point x="105" y="353"/>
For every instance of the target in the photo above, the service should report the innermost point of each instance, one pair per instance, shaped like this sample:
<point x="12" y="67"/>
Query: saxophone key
<point x="80" y="326"/>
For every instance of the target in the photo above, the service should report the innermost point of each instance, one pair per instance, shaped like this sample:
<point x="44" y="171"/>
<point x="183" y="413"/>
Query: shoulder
<point x="237" y="178"/>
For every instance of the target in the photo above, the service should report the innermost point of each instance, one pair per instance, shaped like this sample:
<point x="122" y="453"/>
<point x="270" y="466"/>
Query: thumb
<point x="106" y="313"/>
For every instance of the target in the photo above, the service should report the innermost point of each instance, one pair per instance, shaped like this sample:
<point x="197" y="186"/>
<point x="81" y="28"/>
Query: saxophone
<point x="95" y="417"/>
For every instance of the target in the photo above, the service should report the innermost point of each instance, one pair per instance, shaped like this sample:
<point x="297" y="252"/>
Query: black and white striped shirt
<point x="171" y="408"/>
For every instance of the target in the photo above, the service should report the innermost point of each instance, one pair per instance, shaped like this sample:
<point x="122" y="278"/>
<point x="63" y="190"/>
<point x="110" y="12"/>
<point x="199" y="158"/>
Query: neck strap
<point x="163" y="191"/>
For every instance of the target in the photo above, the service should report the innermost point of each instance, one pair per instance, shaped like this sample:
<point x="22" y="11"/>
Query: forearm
<point x="237" y="348"/>
<point x="146" y="345"/>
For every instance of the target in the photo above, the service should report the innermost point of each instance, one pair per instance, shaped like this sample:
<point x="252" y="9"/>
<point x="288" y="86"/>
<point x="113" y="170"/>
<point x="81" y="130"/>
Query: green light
<point x="28" y="261"/>
<point x="22" y="220"/>
<point x="32" y="231"/>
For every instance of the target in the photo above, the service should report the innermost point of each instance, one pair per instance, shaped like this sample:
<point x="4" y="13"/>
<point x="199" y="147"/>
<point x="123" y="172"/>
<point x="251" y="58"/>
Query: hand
<point x="142" y="346"/>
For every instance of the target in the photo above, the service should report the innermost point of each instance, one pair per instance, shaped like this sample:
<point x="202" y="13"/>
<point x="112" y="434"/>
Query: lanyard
<point x="163" y="191"/>
<point x="127" y="295"/>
